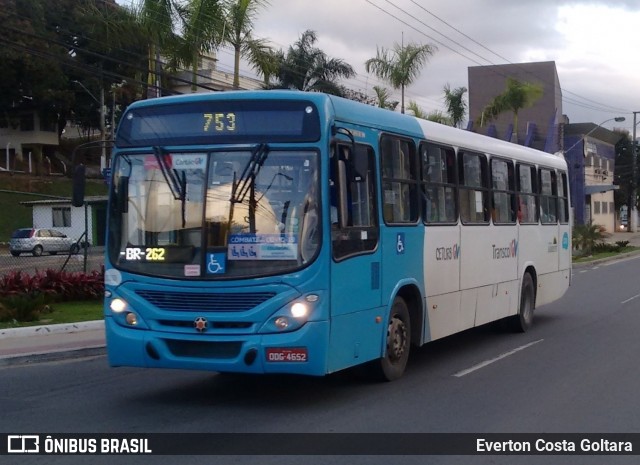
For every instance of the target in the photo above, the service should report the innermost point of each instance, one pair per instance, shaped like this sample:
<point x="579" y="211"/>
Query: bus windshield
<point x="222" y="214"/>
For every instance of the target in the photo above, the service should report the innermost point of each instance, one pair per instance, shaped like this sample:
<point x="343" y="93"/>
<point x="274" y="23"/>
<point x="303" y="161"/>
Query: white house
<point x="59" y="214"/>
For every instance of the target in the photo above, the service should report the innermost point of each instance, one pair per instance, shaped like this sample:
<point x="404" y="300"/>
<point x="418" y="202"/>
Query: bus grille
<point x="202" y="349"/>
<point x="197" y="302"/>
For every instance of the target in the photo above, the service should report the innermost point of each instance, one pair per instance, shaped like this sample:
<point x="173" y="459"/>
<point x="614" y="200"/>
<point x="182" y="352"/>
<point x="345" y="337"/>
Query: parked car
<point x="36" y="241"/>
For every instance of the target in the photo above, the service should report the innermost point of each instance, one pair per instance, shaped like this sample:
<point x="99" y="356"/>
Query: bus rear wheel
<point x="523" y="321"/>
<point x="398" y="342"/>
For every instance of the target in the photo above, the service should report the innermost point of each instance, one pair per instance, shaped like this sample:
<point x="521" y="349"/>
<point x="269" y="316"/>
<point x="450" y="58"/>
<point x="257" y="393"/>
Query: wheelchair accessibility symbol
<point x="400" y="244"/>
<point x="216" y="263"/>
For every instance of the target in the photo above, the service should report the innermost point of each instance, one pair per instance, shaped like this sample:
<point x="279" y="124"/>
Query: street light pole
<point x="634" y="179"/>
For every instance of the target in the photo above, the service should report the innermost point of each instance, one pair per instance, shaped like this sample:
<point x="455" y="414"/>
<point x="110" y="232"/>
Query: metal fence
<point x="48" y="233"/>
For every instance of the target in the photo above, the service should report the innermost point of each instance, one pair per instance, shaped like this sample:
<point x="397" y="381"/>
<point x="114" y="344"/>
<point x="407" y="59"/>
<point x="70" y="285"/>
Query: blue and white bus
<point x="290" y="232"/>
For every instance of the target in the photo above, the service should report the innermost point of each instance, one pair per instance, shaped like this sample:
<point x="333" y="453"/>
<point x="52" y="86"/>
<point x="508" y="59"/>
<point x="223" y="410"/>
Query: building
<point x="538" y="125"/>
<point x="59" y="214"/>
<point x="590" y="154"/>
<point x="23" y="136"/>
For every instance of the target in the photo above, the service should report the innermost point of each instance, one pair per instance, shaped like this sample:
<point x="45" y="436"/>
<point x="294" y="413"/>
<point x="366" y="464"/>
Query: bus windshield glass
<point x="207" y="121"/>
<point x="222" y="214"/>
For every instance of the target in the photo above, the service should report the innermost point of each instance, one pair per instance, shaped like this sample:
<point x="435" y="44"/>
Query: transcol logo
<point x="506" y="252"/>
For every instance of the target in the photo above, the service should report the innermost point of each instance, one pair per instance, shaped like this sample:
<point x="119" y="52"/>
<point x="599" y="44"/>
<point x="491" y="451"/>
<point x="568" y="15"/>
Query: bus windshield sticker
<point x="216" y="263"/>
<point x="192" y="270"/>
<point x="263" y="247"/>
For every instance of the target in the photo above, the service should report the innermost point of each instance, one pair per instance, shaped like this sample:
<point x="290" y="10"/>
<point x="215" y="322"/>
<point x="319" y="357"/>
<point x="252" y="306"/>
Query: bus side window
<point x="474" y="188"/>
<point x="352" y="196"/>
<point x="527" y="194"/>
<point x="439" y="182"/>
<point x="563" y="198"/>
<point x="399" y="180"/>
<point x="548" y="196"/>
<point x="503" y="198"/>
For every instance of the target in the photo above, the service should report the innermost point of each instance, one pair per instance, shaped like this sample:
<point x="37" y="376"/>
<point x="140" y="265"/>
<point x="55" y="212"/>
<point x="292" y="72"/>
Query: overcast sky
<point x="593" y="43"/>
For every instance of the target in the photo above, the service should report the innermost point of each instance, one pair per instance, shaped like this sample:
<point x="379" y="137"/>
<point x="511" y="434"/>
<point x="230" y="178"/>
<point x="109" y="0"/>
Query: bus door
<point x="355" y="263"/>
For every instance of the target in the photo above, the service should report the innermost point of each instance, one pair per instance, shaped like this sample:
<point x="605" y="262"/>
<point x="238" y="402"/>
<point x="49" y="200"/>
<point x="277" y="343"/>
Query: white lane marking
<point x="630" y="299"/>
<point x="499" y="357"/>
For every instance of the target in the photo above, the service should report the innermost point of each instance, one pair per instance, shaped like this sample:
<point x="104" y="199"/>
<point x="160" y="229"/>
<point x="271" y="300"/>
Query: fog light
<point x="299" y="310"/>
<point x="118" y="305"/>
<point x="282" y="322"/>
<point x="131" y="319"/>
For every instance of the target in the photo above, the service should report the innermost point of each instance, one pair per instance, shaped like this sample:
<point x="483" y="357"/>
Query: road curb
<point x="44" y="330"/>
<point x="55" y="356"/>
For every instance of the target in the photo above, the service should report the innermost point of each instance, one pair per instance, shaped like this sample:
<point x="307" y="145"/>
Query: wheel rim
<point x="396" y="339"/>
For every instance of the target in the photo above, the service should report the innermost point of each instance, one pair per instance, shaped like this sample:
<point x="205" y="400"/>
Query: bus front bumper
<point x="297" y="352"/>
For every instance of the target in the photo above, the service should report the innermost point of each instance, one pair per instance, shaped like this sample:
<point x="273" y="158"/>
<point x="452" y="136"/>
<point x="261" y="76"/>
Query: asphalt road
<point x="574" y="372"/>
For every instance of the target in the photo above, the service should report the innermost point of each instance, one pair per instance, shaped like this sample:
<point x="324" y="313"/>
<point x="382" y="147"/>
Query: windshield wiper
<point x="249" y="173"/>
<point x="247" y="184"/>
<point x="177" y="184"/>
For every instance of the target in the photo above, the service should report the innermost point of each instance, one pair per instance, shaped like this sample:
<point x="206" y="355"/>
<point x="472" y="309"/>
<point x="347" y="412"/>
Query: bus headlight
<point x="118" y="305"/>
<point x="293" y="315"/>
<point x="299" y="310"/>
<point x="131" y="319"/>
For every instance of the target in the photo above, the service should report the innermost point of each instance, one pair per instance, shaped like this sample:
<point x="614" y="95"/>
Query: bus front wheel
<point x="524" y="319"/>
<point x="398" y="342"/>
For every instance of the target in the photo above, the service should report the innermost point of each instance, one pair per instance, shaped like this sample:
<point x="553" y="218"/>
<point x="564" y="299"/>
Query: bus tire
<point x="523" y="321"/>
<point x="398" y="342"/>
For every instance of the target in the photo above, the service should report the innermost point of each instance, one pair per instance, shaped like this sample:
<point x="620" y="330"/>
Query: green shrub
<point x="24" y="297"/>
<point x="603" y="247"/>
<point x="622" y="244"/>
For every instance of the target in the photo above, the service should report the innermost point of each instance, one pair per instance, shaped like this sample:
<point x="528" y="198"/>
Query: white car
<point x="38" y="241"/>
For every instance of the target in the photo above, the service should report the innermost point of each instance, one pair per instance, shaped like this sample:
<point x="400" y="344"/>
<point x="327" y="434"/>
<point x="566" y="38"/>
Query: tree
<point x="516" y="96"/>
<point x="456" y="106"/>
<point x="305" y="67"/>
<point x="383" y="98"/>
<point x="239" y="20"/>
<point x="400" y="66"/>
<point x="203" y="32"/>
<point x="624" y="169"/>
<point x="157" y="19"/>
<point x="416" y="110"/>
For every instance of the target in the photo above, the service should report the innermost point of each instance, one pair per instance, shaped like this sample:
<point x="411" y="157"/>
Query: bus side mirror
<point x="122" y="194"/>
<point x="78" y="183"/>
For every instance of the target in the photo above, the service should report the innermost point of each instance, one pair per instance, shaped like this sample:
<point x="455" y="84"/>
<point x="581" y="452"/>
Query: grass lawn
<point x="64" y="312"/>
<point x="597" y="256"/>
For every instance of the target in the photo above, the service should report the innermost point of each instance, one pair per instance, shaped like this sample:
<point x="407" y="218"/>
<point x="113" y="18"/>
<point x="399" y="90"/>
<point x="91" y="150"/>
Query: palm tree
<point x="240" y="17"/>
<point x="416" y="110"/>
<point x="517" y="95"/>
<point x="438" y="117"/>
<point x="265" y="60"/>
<point x="383" y="98"/>
<point x="156" y="18"/>
<point x="203" y="26"/>
<point x="456" y="106"/>
<point x="308" y="68"/>
<point x="400" y="66"/>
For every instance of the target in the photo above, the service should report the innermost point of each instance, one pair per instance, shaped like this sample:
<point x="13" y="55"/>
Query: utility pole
<point x="634" y="179"/>
<point x="103" y="134"/>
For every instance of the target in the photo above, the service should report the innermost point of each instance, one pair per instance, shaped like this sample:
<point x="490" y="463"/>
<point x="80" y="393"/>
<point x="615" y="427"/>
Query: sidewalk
<point x="74" y="340"/>
<point x="53" y="342"/>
